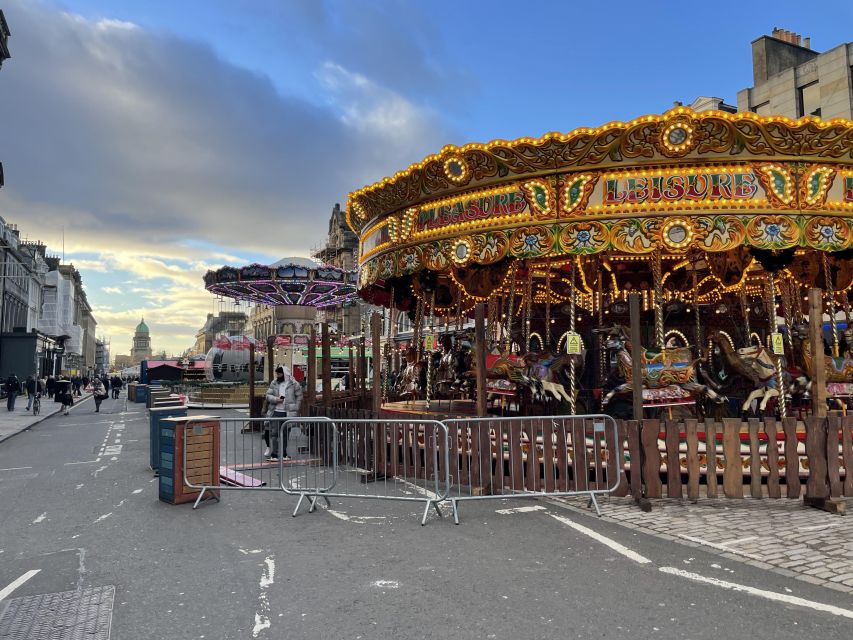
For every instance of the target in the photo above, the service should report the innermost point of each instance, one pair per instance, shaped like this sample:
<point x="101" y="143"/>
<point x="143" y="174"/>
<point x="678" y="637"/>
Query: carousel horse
<point x="667" y="373"/>
<point x="837" y="369"/>
<point x="410" y="383"/>
<point x="755" y="364"/>
<point x="547" y="373"/>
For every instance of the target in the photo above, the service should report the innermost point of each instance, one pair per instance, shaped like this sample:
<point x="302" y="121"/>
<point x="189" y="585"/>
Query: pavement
<point x="779" y="535"/>
<point x="14" y="422"/>
<point x="87" y="548"/>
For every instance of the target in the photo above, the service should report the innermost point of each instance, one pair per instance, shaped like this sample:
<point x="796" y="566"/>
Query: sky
<point x="165" y="138"/>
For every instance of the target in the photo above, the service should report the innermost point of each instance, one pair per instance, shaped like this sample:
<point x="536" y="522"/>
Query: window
<point x="808" y="100"/>
<point x="762" y="109"/>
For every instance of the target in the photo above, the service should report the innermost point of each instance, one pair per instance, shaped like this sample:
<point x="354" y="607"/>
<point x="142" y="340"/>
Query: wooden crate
<point x="202" y="446"/>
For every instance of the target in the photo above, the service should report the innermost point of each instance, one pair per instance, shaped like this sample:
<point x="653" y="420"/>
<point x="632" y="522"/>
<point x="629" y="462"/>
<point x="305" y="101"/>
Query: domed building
<point x="141" y="348"/>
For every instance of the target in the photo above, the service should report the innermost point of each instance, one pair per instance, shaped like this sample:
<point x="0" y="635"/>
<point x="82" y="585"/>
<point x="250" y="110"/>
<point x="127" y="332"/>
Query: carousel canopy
<point x="290" y="281"/>
<point x="717" y="199"/>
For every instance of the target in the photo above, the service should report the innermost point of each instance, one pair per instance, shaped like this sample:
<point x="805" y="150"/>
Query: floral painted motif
<point x="530" y="242"/>
<point x="435" y="255"/>
<point x="387" y="266"/>
<point x="409" y="260"/>
<point x="720" y="233"/>
<point x="490" y="247"/>
<point x="772" y="232"/>
<point x="634" y="235"/>
<point x="827" y="234"/>
<point x="584" y="237"/>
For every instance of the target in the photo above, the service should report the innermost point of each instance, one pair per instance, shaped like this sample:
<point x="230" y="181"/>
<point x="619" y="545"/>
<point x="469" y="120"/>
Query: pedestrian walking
<point x="64" y="394"/>
<point x="30" y="387"/>
<point x="13" y="388"/>
<point x="99" y="393"/>
<point x="115" y="385"/>
<point x="51" y="385"/>
<point x="284" y="396"/>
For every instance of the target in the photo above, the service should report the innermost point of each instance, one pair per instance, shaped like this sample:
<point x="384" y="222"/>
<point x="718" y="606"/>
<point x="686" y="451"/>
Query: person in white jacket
<point x="284" y="396"/>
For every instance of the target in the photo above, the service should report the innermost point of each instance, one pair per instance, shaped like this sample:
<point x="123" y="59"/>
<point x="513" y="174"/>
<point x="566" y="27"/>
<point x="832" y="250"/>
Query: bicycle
<point x="36" y="404"/>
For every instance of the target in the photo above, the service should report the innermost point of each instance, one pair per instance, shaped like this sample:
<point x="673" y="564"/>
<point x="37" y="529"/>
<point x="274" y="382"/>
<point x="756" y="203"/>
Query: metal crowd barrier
<point x="549" y="456"/>
<point x="242" y="463"/>
<point x="383" y="459"/>
<point x="424" y="461"/>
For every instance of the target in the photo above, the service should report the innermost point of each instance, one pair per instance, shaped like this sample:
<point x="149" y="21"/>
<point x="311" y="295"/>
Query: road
<point x="80" y="517"/>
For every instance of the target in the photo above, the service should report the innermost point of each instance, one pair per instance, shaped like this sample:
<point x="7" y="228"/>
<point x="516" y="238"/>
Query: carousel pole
<point x="528" y="308"/>
<point x="386" y="381"/>
<point x="657" y="277"/>
<point x="695" y="284"/>
<point x="572" y="381"/>
<point x="375" y="337"/>
<point x="744" y="306"/>
<point x="602" y="354"/>
<point x="429" y="354"/>
<point x="771" y="312"/>
<point x="510" y="309"/>
<point x="830" y="299"/>
<point x="351" y="370"/>
<point x="818" y="370"/>
<point x="480" y="355"/>
<point x="548" y="306"/>
<point x="311" y="396"/>
<point x="786" y="311"/>
<point x="327" y="364"/>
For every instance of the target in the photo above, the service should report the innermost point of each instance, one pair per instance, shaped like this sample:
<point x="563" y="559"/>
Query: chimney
<point x="807" y="43"/>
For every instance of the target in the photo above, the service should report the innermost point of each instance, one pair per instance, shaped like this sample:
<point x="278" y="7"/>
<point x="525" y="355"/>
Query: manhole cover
<point x="67" y="615"/>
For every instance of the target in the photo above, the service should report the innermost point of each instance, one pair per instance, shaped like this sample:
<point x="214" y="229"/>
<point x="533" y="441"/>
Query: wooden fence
<point x="730" y="458"/>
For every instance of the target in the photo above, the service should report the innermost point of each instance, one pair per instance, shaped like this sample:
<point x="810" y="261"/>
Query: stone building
<point x="340" y="250"/>
<point x="141" y="346"/>
<point x="793" y="80"/>
<point x="229" y="323"/>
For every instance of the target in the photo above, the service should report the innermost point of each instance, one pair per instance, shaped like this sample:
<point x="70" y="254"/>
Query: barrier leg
<point x="426" y="512"/>
<point x="594" y="502"/>
<point x="455" y="511"/>
<point x="200" y="496"/>
<point x="298" y="504"/>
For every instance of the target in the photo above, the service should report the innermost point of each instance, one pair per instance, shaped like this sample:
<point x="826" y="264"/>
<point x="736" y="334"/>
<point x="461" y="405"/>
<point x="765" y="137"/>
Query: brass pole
<point x="572" y="383"/>
<point x="744" y="305"/>
<point x="830" y="298"/>
<point x="777" y="360"/>
<point x="658" y="286"/>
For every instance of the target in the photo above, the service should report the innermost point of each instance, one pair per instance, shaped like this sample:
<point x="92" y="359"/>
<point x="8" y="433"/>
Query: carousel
<point x="298" y="287"/>
<point x="716" y="225"/>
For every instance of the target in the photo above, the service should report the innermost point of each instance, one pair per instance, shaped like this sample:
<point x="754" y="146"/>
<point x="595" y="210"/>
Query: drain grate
<point x="67" y="615"/>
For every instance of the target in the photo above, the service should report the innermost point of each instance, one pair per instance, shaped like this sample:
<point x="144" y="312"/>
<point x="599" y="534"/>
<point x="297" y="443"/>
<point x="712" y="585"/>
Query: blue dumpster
<point x="155" y="415"/>
<point x="142" y="393"/>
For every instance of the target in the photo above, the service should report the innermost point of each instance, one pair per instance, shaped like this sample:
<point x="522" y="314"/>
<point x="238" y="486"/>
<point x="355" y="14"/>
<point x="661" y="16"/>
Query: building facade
<point x="102" y="356"/>
<point x="141" y="347"/>
<point x="340" y="250"/>
<point x="791" y="79"/>
<point x="229" y="323"/>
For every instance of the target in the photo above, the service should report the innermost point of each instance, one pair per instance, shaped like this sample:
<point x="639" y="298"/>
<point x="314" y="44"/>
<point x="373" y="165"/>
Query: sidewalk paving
<point x="779" y="535"/>
<point x="14" y="422"/>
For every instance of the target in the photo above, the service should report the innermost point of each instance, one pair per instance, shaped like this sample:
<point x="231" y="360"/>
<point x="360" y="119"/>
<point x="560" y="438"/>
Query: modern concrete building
<point x="793" y="80"/>
<point x="141" y="346"/>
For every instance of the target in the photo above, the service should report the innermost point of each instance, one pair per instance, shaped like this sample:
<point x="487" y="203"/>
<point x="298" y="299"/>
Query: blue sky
<point x="171" y="137"/>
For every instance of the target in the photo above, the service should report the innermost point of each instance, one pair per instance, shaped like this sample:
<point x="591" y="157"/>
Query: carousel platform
<point x="455" y="408"/>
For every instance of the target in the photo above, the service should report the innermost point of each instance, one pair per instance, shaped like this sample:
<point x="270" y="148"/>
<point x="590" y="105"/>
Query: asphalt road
<point x="79" y="505"/>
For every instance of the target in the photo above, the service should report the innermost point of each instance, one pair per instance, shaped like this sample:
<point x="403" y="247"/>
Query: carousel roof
<point x="290" y="281"/>
<point x="711" y="189"/>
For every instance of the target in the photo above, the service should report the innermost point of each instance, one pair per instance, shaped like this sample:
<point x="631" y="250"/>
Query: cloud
<point x="161" y="160"/>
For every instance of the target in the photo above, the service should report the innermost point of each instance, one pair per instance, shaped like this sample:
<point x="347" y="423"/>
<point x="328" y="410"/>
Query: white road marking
<point x="386" y="584"/>
<point x="761" y="593"/>
<point x="84" y="462"/>
<point x="98" y="470"/>
<point x="8" y="589"/>
<point x="103" y="517"/>
<point x="15" y="468"/>
<point x="619" y="548"/>
<point x="137" y="491"/>
<point x="354" y="519"/>
<point x="506" y="512"/>
<point x="78" y="487"/>
<point x="40" y="518"/>
<point x="262" y="619"/>
<point x="720" y="546"/>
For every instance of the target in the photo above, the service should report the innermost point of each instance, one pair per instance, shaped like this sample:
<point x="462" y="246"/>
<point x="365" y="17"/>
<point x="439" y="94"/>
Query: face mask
<point x="280" y="377"/>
